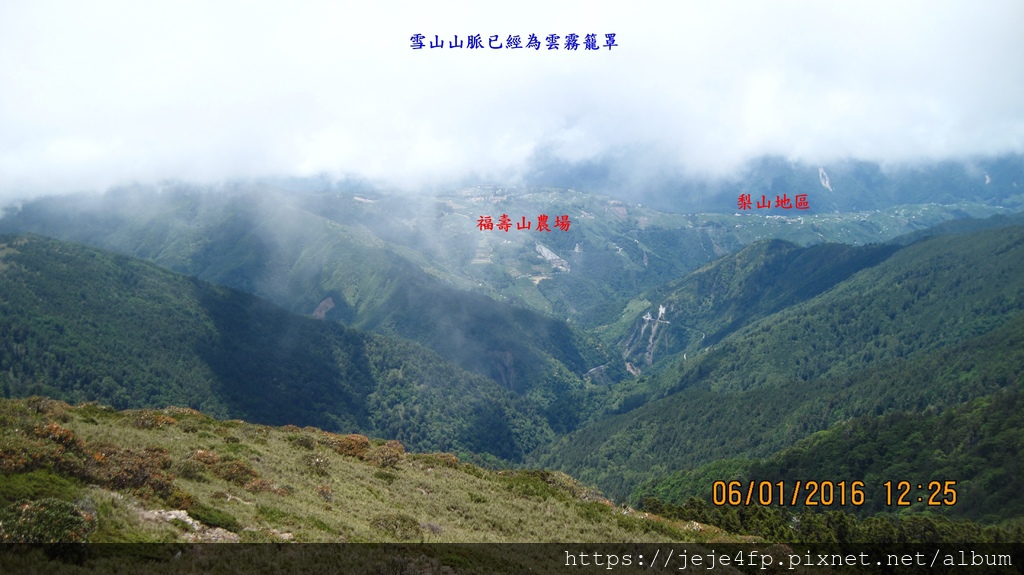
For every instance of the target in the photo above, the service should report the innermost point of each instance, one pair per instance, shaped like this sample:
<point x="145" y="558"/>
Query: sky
<point x="97" y="94"/>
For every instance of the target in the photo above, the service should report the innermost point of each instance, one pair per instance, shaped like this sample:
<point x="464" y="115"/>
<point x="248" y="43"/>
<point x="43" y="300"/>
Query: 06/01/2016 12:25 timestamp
<point x="830" y="493"/>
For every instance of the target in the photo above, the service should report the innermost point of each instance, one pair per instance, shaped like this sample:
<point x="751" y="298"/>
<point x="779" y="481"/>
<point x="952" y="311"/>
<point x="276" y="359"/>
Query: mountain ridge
<point x="86" y="325"/>
<point x="937" y="295"/>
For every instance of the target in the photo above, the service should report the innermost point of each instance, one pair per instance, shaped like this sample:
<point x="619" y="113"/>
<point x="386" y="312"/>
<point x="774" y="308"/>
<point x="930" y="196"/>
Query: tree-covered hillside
<point x="931" y="294"/>
<point x="973" y="279"/>
<point x="752" y="353"/>
<point x="979" y="445"/>
<point x="703" y="307"/>
<point x="297" y="241"/>
<point x="937" y="323"/>
<point x="306" y="253"/>
<point x="80" y="324"/>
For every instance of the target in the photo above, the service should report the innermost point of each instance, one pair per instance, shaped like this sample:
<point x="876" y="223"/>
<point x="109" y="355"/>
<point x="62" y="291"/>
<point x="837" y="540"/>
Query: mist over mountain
<point x="207" y="94"/>
<point x="651" y="248"/>
<point x="420" y="267"/>
<point x="840" y="185"/>
<point x="639" y="350"/>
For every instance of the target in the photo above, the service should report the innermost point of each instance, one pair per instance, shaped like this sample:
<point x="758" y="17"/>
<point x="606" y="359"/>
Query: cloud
<point x="95" y="94"/>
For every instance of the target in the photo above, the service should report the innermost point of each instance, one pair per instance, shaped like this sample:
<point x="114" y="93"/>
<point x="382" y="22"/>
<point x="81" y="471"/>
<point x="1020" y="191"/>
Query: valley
<point x="646" y="353"/>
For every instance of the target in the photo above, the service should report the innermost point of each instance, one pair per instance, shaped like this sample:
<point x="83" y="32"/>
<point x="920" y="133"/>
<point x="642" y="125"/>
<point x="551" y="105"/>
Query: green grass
<point x="266" y="491"/>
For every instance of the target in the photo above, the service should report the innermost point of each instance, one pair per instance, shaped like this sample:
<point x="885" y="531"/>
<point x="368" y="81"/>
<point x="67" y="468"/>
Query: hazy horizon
<point x="103" y="94"/>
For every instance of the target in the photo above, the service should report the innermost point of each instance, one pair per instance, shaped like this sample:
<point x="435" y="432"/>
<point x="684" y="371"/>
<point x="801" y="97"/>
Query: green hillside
<point x="925" y="295"/>
<point x="930" y="294"/>
<point x="296" y="242"/>
<point x="721" y="297"/>
<point x="978" y="444"/>
<point x="936" y="323"/>
<point x="317" y="252"/>
<point x="79" y="324"/>
<point x="91" y="473"/>
<point x="88" y="473"/>
<point x="603" y="357"/>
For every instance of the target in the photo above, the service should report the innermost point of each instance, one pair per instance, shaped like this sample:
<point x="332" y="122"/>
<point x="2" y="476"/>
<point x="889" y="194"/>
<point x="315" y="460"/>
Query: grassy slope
<point x="294" y="484"/>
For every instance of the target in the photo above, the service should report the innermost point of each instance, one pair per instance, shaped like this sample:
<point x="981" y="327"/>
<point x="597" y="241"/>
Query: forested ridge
<point x="80" y="324"/>
<point x="979" y="445"/>
<point x="298" y="252"/>
<point x="936" y="323"/>
<point x="766" y="362"/>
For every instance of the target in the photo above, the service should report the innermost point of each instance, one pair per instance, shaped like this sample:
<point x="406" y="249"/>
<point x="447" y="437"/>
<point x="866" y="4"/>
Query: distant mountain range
<point x="840" y="186"/>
